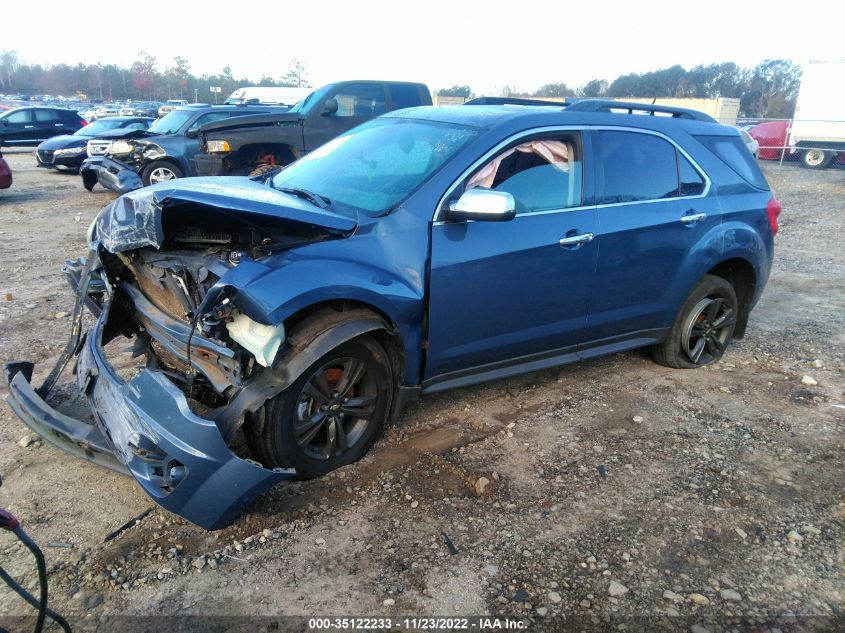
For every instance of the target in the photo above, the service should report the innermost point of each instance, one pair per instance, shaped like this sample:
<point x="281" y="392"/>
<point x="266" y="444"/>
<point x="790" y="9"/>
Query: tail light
<point x="773" y="212"/>
<point x="83" y="122"/>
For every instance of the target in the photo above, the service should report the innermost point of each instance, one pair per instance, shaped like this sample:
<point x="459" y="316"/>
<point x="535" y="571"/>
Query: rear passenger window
<point x="542" y="174"/>
<point x="692" y="183"/>
<point x="632" y="167"/>
<point x="46" y="116"/>
<point x="404" y="96"/>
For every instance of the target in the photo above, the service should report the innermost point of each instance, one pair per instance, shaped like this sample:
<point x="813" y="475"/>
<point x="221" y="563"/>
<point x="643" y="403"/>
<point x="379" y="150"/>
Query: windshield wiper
<point x="313" y="198"/>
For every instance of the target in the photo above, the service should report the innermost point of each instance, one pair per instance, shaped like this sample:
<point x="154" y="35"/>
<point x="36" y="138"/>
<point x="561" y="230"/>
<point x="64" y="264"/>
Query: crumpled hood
<point x="135" y="219"/>
<point x="252" y="120"/>
<point x="122" y="133"/>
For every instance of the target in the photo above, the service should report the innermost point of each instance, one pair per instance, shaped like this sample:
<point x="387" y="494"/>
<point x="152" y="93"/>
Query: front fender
<point x="272" y="295"/>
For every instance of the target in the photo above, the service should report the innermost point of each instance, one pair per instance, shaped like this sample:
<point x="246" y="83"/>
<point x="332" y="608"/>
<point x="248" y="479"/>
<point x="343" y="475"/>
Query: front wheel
<point x="816" y="158"/>
<point x="703" y="328"/>
<point x="160" y="171"/>
<point x="330" y="416"/>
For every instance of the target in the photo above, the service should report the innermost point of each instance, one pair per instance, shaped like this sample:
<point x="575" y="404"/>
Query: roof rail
<point x="513" y="101"/>
<point x="608" y="105"/>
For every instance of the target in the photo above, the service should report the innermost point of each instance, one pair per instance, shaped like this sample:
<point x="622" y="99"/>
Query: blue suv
<point x="427" y="249"/>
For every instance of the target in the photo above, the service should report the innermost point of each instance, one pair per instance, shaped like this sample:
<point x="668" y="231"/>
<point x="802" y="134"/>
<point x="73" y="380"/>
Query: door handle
<point x="28" y="127"/>
<point x="60" y="124"/>
<point x="574" y="240"/>
<point x="692" y="218"/>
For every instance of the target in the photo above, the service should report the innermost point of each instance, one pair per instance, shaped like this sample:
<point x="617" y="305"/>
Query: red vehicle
<point x="772" y="135"/>
<point x="5" y="174"/>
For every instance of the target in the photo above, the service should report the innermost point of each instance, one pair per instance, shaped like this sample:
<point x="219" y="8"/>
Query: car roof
<point x="530" y="116"/>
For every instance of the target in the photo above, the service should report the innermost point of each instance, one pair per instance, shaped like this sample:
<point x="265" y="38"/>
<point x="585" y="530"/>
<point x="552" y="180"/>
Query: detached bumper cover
<point x="145" y="428"/>
<point x="111" y="174"/>
<point x="208" y="164"/>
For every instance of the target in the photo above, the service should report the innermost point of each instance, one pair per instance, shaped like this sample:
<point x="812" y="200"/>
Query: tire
<point x="272" y="432"/>
<point x="703" y="328"/>
<point x="159" y="171"/>
<point x="816" y="158"/>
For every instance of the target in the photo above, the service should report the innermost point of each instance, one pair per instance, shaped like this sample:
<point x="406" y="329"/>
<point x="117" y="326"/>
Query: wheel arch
<point x="304" y="324"/>
<point x="251" y="150"/>
<point x="740" y="273"/>
<point x="166" y="159"/>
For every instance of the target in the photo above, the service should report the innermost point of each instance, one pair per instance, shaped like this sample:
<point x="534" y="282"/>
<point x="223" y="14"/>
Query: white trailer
<point x="268" y="95"/>
<point x="817" y="132"/>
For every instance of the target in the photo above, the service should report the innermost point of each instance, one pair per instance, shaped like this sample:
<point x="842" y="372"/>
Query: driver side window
<point x="360" y="100"/>
<point x="542" y="174"/>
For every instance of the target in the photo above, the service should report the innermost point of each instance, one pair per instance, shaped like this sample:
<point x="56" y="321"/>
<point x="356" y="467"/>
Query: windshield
<point x="311" y="100"/>
<point x="95" y="127"/>
<point x="377" y="165"/>
<point x="171" y="122"/>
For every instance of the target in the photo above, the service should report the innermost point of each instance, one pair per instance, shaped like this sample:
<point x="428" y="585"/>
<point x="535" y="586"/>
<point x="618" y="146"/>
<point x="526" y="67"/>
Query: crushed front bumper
<point x="111" y="174"/>
<point x="144" y="427"/>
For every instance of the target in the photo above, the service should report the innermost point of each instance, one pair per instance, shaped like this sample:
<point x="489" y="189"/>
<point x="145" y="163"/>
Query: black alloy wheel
<point x="703" y="327"/>
<point x="330" y="416"/>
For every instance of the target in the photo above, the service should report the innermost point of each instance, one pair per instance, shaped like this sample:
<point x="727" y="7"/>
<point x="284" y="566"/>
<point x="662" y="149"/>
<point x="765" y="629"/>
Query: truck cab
<point x="268" y="141"/>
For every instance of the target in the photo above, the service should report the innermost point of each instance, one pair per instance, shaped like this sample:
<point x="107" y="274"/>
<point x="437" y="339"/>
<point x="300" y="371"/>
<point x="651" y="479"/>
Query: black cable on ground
<point x="23" y="593"/>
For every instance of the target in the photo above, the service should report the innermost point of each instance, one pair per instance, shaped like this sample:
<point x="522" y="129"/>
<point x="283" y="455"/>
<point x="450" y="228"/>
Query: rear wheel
<point x="703" y="328"/>
<point x="816" y="158"/>
<point x="330" y="416"/>
<point x="160" y="171"/>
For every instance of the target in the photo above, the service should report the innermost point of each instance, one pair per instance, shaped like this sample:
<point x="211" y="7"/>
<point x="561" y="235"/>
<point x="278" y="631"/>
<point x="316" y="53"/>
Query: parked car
<point x="5" y="173"/>
<point x="30" y="125"/>
<point x="140" y="108"/>
<point x="163" y="152"/>
<point x="106" y="110"/>
<point x="750" y="142"/>
<point x="69" y="151"/>
<point x="242" y="146"/>
<point x="425" y="250"/>
<point x="170" y="105"/>
<point x="770" y="137"/>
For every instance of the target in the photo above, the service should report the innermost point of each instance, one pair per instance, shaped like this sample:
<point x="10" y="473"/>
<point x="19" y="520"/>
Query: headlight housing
<point x="70" y="151"/>
<point x="121" y="147"/>
<point x="218" y="146"/>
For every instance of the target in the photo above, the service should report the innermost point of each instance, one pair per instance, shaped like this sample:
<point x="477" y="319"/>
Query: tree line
<point x="145" y="80"/>
<point x="767" y="90"/>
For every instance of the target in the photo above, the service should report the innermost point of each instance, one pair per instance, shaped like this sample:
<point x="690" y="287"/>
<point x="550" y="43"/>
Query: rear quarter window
<point x="404" y="96"/>
<point x="733" y="152"/>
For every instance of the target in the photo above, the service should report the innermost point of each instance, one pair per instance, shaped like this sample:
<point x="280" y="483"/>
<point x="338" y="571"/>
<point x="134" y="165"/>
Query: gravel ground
<point x="611" y="495"/>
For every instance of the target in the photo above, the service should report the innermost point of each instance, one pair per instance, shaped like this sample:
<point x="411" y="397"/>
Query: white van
<point x="258" y="94"/>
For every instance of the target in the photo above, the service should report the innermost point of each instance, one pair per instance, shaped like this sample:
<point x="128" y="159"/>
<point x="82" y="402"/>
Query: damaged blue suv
<point x="428" y="249"/>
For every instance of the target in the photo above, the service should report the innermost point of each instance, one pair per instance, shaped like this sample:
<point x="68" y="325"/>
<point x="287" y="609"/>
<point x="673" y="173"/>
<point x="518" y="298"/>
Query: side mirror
<point x="192" y="132"/>
<point x="330" y="107"/>
<point x="483" y="205"/>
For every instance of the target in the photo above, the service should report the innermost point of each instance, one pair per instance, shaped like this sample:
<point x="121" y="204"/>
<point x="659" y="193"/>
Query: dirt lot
<point x="622" y="495"/>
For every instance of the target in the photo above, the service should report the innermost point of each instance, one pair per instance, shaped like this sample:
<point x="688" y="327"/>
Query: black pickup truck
<point x="234" y="148"/>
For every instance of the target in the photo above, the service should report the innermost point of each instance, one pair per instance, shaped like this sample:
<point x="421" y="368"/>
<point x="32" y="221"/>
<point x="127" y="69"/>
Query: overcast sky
<point x="486" y="45"/>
